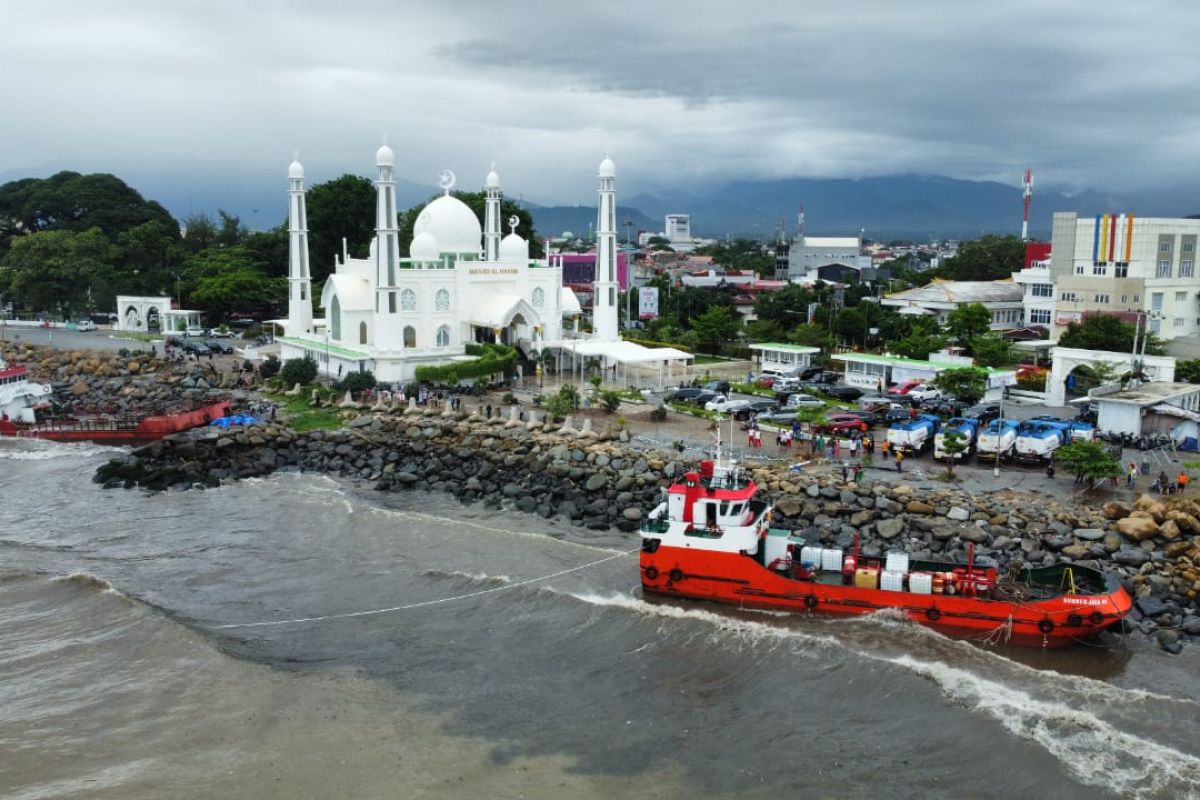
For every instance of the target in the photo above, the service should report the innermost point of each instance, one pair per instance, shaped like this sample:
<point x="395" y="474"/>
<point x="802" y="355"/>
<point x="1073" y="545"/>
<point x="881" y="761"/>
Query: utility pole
<point x="1026" y="197"/>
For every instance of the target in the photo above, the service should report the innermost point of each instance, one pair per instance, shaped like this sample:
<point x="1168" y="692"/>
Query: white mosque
<point x="461" y="283"/>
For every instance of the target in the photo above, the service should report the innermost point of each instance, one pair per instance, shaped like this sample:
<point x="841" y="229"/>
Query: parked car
<point x="218" y="346"/>
<point x="843" y="392"/>
<point x="898" y="413"/>
<point x="217" y="333"/>
<point x="801" y="400"/>
<point x="869" y="417"/>
<point x="198" y="348"/>
<point x="725" y="405"/>
<point x="684" y="394"/>
<point x="782" y="419"/>
<point x="85" y="325"/>
<point x="173" y="341"/>
<point x="923" y="392"/>
<point x="841" y="423"/>
<point x="785" y="385"/>
<point x="904" y="387"/>
<point x="983" y="412"/>
<point x="808" y="373"/>
<point x="194" y="330"/>
<point x="944" y="406"/>
<point x="756" y="408"/>
<point x="702" y="398"/>
<point x="720" y="387"/>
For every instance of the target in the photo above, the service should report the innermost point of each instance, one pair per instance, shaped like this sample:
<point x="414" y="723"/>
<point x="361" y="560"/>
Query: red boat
<point x="116" y="431"/>
<point x="712" y="540"/>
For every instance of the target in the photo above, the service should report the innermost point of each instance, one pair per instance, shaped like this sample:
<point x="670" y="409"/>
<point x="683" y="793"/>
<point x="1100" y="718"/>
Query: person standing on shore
<point x="1181" y="482"/>
<point x="1132" y="474"/>
<point x="899" y="459"/>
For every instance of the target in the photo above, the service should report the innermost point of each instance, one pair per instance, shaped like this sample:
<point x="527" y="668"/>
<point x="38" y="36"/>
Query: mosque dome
<point x="295" y="170"/>
<point x="384" y="157"/>
<point x="514" y="248"/>
<point x="493" y="180"/>
<point x="607" y="168"/>
<point x="424" y="247"/>
<point x="452" y="225"/>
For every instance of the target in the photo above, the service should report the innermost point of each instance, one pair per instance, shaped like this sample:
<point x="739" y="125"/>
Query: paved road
<point x="64" y="339"/>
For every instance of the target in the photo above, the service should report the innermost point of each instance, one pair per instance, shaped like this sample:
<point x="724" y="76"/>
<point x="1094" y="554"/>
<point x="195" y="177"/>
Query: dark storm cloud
<point x="1087" y="94"/>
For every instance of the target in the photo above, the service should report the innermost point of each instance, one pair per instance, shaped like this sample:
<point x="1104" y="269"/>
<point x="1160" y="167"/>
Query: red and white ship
<point x="712" y="540"/>
<point x="19" y="397"/>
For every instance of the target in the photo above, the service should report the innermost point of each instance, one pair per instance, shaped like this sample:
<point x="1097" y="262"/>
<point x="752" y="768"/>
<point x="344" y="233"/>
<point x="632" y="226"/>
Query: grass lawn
<point x="301" y="418"/>
<point x="698" y="359"/>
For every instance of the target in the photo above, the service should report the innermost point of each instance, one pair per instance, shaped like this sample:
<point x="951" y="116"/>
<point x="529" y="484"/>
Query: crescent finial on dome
<point x="446" y="180"/>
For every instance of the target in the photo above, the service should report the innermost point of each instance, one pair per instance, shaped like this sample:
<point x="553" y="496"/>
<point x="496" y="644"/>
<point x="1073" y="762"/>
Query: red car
<point x="904" y="387"/>
<point x="841" y="423"/>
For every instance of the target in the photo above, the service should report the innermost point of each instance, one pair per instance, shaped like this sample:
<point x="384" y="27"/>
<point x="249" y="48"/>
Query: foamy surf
<point x="1091" y="750"/>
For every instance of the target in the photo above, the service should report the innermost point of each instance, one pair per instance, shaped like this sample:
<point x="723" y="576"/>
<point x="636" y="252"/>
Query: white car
<point x="724" y="405"/>
<point x="85" y="325"/>
<point x="194" y="331"/>
<point x="804" y="401"/>
<point x="923" y="392"/>
<point x="217" y="333"/>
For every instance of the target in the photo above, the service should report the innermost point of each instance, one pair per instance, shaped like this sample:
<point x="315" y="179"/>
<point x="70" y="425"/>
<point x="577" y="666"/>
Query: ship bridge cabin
<point x="716" y="502"/>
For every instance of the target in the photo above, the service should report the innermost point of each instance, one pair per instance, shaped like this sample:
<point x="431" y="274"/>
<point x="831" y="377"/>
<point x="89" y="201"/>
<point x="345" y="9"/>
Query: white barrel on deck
<point x="811" y="555"/>
<point x="897" y="561"/>
<point x="920" y="583"/>
<point x="891" y="581"/>
<point x="831" y="560"/>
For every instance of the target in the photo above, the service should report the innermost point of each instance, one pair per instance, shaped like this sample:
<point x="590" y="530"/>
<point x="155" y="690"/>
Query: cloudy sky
<point x="1100" y="95"/>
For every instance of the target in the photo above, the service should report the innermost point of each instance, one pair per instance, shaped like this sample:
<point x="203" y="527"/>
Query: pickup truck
<point x="725" y="405"/>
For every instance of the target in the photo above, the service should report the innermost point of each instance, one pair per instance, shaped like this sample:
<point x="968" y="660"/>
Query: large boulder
<point x="1169" y="530"/>
<point x="917" y="507"/>
<point x="890" y="528"/>
<point x="1137" y="528"/>
<point x="1115" y="509"/>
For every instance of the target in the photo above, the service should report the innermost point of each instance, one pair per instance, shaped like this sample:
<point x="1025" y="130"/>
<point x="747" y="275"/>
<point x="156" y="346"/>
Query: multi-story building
<point x="808" y="254"/>
<point x="1038" y="285"/>
<point x="1119" y="263"/>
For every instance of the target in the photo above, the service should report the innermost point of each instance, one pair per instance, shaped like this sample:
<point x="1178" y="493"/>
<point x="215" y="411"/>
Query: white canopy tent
<point x="620" y="356"/>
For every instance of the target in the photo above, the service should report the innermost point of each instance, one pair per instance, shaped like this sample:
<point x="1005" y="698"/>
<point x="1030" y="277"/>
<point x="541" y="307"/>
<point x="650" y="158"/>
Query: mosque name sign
<point x="492" y="271"/>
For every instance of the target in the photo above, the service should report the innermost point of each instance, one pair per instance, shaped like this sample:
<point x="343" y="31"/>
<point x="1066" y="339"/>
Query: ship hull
<point x="118" y="433"/>
<point x="742" y="581"/>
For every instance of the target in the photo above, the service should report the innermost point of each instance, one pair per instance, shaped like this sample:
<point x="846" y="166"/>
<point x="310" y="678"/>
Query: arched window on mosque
<point x="408" y="300"/>
<point x="362" y="333"/>
<point x="441" y="300"/>
<point x="335" y="319"/>
<point x="443" y="336"/>
<point x="410" y="336"/>
<point x="539" y="297"/>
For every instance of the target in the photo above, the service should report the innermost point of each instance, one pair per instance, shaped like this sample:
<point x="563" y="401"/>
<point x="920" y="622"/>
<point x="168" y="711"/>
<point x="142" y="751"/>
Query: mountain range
<point x="914" y="207"/>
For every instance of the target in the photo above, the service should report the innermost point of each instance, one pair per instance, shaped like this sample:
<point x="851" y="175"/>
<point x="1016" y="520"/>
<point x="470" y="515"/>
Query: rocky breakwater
<point x="93" y="382"/>
<point x="1153" y="546"/>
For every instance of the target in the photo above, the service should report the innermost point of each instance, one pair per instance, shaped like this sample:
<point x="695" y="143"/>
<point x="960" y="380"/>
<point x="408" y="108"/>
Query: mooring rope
<point x="424" y="603"/>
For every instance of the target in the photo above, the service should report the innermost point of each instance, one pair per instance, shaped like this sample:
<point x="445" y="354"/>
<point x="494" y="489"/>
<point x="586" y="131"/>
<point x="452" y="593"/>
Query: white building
<point x="1037" y="299"/>
<point x="461" y="283"/>
<point x="809" y="253"/>
<point x="1003" y="299"/>
<point x="153" y="315"/>
<point x="678" y="230"/>
<point x="1116" y="262"/>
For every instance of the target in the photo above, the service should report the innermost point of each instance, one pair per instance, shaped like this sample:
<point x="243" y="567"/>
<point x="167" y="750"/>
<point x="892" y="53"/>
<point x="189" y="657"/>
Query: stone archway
<point x="1066" y="359"/>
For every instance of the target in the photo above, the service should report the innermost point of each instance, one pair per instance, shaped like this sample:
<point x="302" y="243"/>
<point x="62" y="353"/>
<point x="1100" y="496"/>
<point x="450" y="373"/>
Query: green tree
<point x="968" y="321"/>
<point x="61" y="270"/>
<point x="918" y="345"/>
<point x="991" y="351"/>
<point x="337" y="209"/>
<point x="220" y="280"/>
<point x="269" y="251"/>
<point x="787" y="308"/>
<point x="954" y="444"/>
<point x="231" y="230"/>
<point x="69" y="201"/>
<point x="199" y="232"/>
<point x="968" y="384"/>
<point x="1105" y="332"/>
<point x="987" y="258"/>
<point x="151" y="257"/>
<point x="713" y="327"/>
<point x="1091" y="460"/>
<point x="1188" y="370"/>
<point x="298" y="370"/>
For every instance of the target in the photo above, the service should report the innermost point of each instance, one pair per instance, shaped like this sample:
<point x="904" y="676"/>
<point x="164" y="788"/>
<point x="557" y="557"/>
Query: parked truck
<point x="997" y="440"/>
<point x="969" y="430"/>
<point x="1038" y="438"/>
<point x="913" y="435"/>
